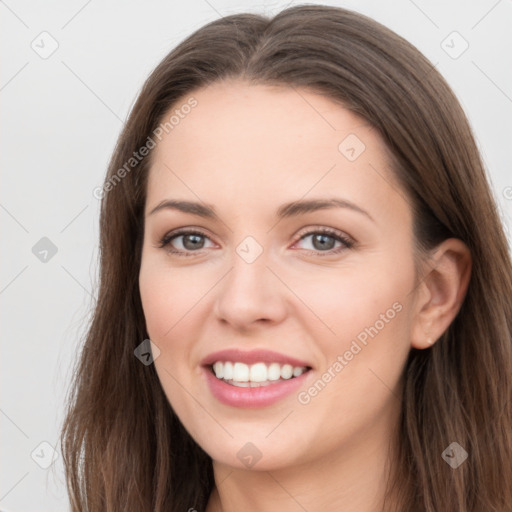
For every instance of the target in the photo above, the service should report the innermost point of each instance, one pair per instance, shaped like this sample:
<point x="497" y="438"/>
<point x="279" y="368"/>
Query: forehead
<point x="283" y="118"/>
<point x="250" y="143"/>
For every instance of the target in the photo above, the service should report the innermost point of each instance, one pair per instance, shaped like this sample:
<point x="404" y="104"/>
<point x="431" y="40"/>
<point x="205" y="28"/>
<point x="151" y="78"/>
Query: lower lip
<point x="261" y="396"/>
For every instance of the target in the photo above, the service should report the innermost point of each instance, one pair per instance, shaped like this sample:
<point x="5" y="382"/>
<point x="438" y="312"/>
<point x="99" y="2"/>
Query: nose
<point x="251" y="295"/>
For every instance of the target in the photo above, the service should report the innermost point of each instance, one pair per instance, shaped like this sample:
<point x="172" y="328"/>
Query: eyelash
<point x="347" y="242"/>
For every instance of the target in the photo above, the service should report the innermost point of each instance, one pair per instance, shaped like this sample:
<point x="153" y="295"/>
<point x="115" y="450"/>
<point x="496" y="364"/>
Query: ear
<point x="441" y="292"/>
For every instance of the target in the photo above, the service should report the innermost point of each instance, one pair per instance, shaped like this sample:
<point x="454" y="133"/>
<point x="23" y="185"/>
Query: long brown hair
<point x="125" y="449"/>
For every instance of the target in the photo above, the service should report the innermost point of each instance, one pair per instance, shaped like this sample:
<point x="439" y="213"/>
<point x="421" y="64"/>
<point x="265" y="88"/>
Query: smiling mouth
<point x="255" y="375"/>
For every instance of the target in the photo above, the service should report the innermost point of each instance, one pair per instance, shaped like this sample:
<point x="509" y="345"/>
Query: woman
<point x="296" y="215"/>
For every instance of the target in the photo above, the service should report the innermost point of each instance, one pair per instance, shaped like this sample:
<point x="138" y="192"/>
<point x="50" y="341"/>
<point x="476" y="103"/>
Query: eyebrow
<point x="287" y="210"/>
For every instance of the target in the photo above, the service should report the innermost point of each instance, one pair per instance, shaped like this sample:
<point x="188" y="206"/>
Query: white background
<point x="60" y="119"/>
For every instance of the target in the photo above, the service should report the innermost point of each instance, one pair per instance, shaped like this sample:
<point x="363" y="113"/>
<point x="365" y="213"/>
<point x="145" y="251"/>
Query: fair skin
<point x="246" y="150"/>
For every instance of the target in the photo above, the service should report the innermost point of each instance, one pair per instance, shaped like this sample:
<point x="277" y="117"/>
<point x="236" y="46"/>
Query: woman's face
<point x="296" y="283"/>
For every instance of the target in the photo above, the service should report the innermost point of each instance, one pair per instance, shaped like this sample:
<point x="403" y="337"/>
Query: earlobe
<point x="441" y="292"/>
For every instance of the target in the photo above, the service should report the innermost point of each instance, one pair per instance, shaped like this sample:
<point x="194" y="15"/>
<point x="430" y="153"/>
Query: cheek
<point x="358" y="384"/>
<point x="364" y="352"/>
<point x="157" y="301"/>
<point x="364" y="359"/>
<point x="347" y="303"/>
<point x="167" y="297"/>
<point x="167" y="300"/>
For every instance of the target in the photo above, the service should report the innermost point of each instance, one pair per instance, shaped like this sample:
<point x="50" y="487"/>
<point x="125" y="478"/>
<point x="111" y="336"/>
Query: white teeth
<point x="297" y="372"/>
<point x="258" y="374"/>
<point x="241" y="384"/>
<point x="286" y="371"/>
<point x="217" y="368"/>
<point x="240" y="372"/>
<point x="227" y="370"/>
<point x="274" y="371"/>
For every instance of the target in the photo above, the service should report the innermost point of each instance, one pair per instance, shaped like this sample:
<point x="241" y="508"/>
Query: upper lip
<point x="252" y="357"/>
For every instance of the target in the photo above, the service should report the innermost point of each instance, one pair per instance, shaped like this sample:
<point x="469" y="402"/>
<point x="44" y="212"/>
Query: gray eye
<point x="191" y="242"/>
<point x="322" y="241"/>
